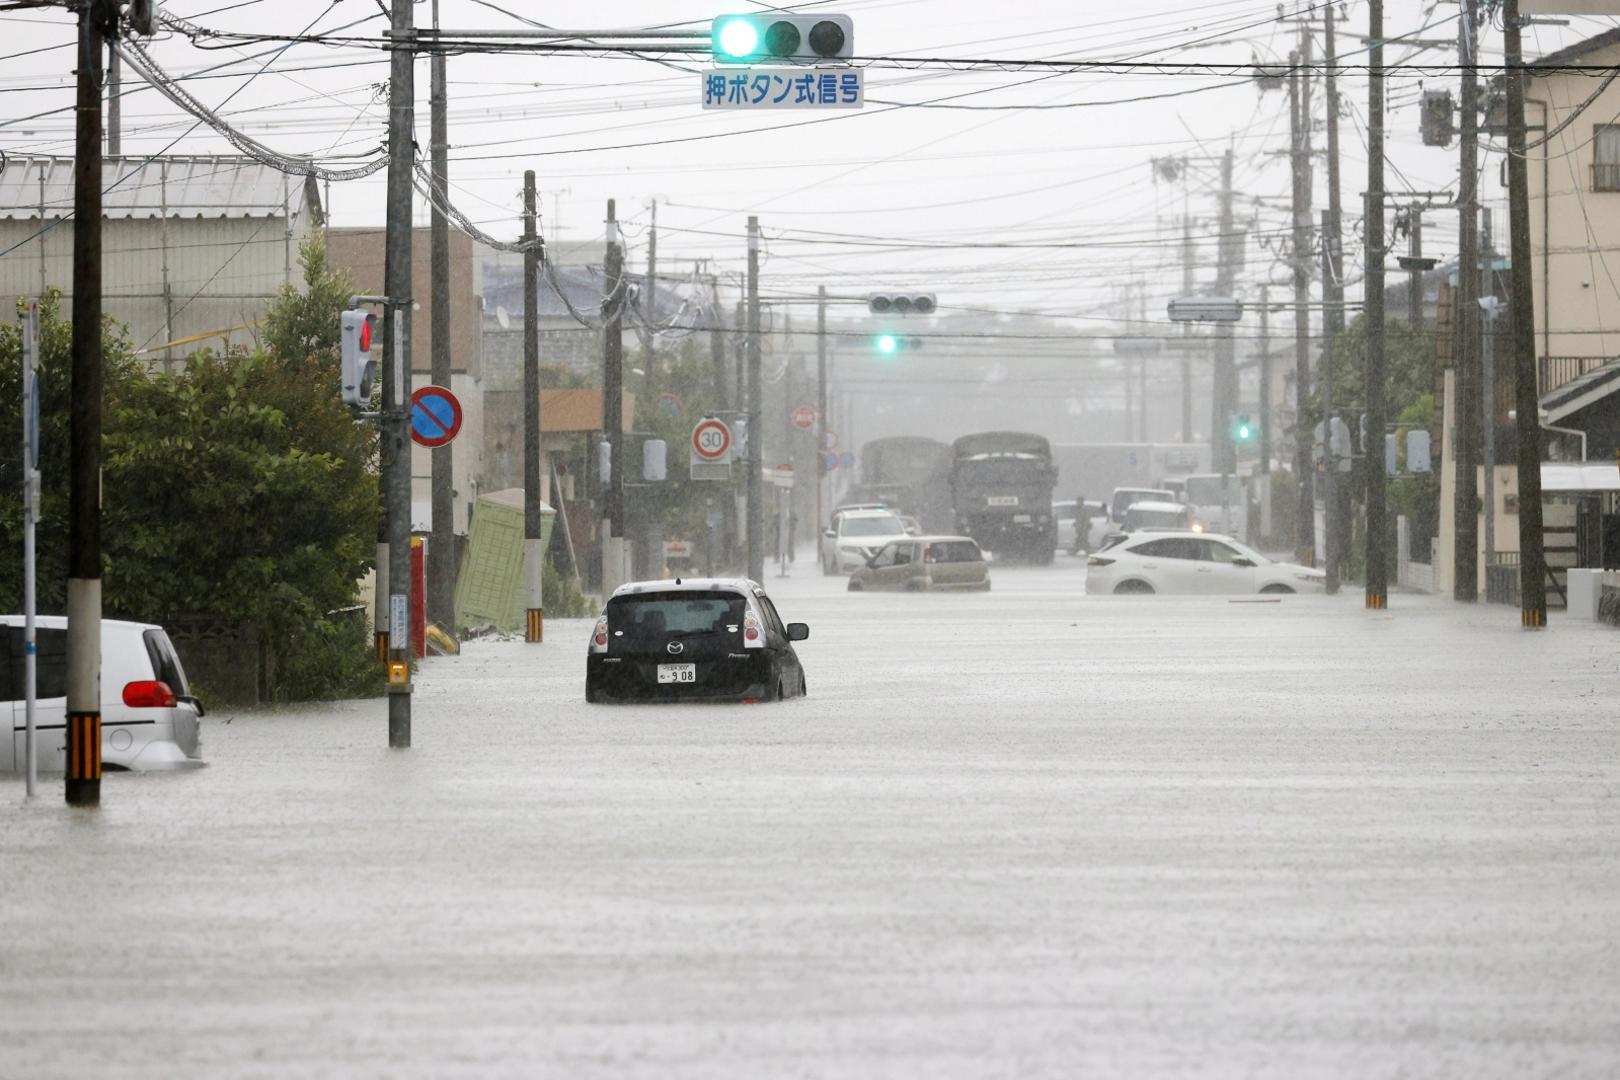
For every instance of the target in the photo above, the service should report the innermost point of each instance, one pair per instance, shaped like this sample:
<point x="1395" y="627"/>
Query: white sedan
<point x="1195" y="563"/>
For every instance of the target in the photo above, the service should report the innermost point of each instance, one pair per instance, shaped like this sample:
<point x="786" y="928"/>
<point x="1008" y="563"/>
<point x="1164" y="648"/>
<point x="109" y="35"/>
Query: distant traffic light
<point x="772" y="37"/>
<point x="1243" y="429"/>
<point x="901" y="303"/>
<point x="890" y="344"/>
<point x="358" y="370"/>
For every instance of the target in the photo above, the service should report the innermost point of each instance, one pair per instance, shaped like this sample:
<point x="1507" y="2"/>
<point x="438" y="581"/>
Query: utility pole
<point x="1265" y="380"/>
<point x="1465" y="347"/>
<point x="30" y="509"/>
<point x="717" y="342"/>
<point x="534" y="552"/>
<point x="1187" y="286"/>
<point x="1305" y="470"/>
<point x="98" y="21"/>
<point x="821" y="406"/>
<point x="1414" y="248"/>
<point x="1377" y="590"/>
<point x="612" y="400"/>
<point x="396" y="444"/>
<point x="756" y="433"/>
<point x="649" y="310"/>
<point x="441" y="562"/>
<point x="1331" y="542"/>
<point x="1224" y="398"/>
<point x="115" y="103"/>
<point x="1141" y="368"/>
<point x="1532" y="555"/>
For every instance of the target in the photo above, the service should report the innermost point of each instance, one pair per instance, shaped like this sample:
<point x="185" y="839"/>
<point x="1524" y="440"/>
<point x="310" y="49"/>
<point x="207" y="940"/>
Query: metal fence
<point x="1556" y="371"/>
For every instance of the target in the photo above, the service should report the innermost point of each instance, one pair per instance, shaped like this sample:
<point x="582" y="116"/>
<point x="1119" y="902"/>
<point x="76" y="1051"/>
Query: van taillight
<point x="149" y="694"/>
<point x="1097" y="560"/>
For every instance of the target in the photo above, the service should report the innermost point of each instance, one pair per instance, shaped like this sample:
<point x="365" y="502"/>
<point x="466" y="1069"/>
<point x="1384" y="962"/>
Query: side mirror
<point x="798" y="631"/>
<point x="828" y="533"/>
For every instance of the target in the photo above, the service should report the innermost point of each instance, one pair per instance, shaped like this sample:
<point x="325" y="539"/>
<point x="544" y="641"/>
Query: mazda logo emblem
<point x="675" y="648"/>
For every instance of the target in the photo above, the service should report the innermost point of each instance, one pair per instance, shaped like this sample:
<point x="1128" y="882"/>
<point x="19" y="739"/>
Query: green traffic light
<point x="738" y="38"/>
<point x="887" y="344"/>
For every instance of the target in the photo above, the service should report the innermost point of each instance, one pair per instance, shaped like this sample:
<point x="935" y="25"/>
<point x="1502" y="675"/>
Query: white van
<point x="149" y="719"/>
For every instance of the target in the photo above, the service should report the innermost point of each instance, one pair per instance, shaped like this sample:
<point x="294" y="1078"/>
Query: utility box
<point x="1417" y="451"/>
<point x="1585" y="590"/>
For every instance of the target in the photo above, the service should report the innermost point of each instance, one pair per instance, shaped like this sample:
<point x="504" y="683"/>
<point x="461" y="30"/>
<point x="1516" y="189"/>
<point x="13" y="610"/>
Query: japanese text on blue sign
<point x="782" y="88"/>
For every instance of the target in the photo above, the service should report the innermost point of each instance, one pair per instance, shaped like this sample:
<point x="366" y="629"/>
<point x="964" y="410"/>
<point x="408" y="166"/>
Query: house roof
<point x="580" y="410"/>
<point x="1585" y="476"/>
<point x="1571" y="53"/>
<point x="1580" y="393"/>
<point x="177" y="187"/>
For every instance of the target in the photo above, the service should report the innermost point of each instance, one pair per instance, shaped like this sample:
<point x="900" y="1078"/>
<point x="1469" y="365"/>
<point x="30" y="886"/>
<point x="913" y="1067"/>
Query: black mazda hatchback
<point x="699" y="640"/>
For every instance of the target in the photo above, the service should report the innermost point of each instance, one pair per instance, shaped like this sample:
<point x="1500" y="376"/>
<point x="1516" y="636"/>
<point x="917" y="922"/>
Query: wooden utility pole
<point x="612" y="397"/>
<point x="1224" y="397"/>
<point x="1527" y="403"/>
<point x="1377" y="587"/>
<point x="756" y="433"/>
<point x="1465" y="336"/>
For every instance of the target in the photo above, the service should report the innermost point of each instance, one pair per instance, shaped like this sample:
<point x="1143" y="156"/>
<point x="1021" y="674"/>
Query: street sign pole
<point x="30" y="501"/>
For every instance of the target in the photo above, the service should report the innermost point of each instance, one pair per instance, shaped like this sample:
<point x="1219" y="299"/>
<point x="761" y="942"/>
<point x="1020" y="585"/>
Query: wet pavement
<point x="1028" y="833"/>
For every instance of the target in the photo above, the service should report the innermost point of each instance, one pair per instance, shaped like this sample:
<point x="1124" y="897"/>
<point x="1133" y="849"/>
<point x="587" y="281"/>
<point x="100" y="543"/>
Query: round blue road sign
<point x="435" y="416"/>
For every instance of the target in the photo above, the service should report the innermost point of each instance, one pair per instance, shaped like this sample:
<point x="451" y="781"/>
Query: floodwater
<point x="1028" y="833"/>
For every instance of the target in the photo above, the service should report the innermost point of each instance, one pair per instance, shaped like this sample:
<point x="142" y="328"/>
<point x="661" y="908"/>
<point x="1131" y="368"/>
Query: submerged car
<point x="857" y="535"/>
<point x="698" y="640"/>
<point x="1196" y="563"/>
<point x="149" y="718"/>
<point x="924" y="564"/>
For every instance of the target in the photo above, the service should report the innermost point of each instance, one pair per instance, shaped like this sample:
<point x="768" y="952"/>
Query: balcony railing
<point x="1605" y="176"/>
<point x="1556" y="371"/>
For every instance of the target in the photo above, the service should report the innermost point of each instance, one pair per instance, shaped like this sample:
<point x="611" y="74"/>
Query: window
<point x="1215" y="551"/>
<point x="1166" y="549"/>
<point x="165" y="663"/>
<point x="1606" y="158"/>
<point x="954" y="551"/>
<point x="674" y="614"/>
<point x="771" y="617"/>
<point x="904" y="554"/>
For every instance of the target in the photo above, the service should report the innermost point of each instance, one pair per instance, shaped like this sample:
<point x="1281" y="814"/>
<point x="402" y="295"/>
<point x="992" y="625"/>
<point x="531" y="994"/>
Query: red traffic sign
<point x="435" y="416"/>
<point x="803" y="417"/>
<point x="711" y="440"/>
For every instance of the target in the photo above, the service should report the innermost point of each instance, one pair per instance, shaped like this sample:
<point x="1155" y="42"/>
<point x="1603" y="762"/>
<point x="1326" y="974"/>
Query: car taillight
<point x="1097" y="560"/>
<point x="599" y="636"/>
<point x="148" y="694"/>
<point x="751" y="637"/>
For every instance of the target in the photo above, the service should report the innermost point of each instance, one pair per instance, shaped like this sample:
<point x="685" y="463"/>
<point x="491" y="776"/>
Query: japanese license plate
<point x="1021" y="519"/>
<point x="1002" y="500"/>
<point x="677" y="673"/>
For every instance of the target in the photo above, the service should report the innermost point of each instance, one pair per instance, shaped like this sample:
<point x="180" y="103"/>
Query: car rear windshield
<point x="887" y="525"/>
<point x="664" y="615"/>
<point x="954" y="551"/>
<point x="165" y="661"/>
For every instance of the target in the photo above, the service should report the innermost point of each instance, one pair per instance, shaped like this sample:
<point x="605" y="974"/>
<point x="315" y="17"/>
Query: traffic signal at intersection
<point x="1243" y="428"/>
<point x="887" y="344"/>
<point x="901" y="303"/>
<point x="777" y="38"/>
<point x="358" y="369"/>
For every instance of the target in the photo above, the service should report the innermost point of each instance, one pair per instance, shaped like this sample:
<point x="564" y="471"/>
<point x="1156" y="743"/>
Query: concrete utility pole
<point x="612" y="398"/>
<point x="441" y="562"/>
<point x="1224" y="397"/>
<point x="98" y="21"/>
<point x="1300" y="160"/>
<point x="534" y="552"/>
<point x="821" y="406"/>
<point x="1377" y="591"/>
<point x="1331" y="540"/>
<point x="1414" y="283"/>
<point x="649" y="311"/>
<point x="30" y="508"/>
<point x="717" y="343"/>
<point x="1465" y="337"/>
<point x="756" y="434"/>
<point x="396" y="443"/>
<point x="1265" y="379"/>
<point x="115" y="103"/>
<point x="1333" y="296"/>
<point x="1532" y="555"/>
<point x="1187" y="286"/>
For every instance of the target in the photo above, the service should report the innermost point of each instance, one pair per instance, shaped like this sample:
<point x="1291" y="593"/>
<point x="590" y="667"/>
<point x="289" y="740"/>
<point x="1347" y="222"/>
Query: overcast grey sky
<point x="1007" y="155"/>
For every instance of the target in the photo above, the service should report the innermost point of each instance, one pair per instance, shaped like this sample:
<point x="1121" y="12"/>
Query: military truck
<point x="1001" y="489"/>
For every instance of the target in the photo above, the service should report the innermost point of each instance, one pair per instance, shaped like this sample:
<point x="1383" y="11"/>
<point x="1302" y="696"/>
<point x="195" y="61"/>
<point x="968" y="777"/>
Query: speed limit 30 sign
<point x="711" y="442"/>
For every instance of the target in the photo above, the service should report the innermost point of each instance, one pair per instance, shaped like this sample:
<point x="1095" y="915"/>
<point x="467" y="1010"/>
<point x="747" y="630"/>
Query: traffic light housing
<point x="1435" y="120"/>
<point x="901" y="303"/>
<point x="359" y="371"/>
<point x="770" y="37"/>
<point x="1243" y="428"/>
<point x="889" y="344"/>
